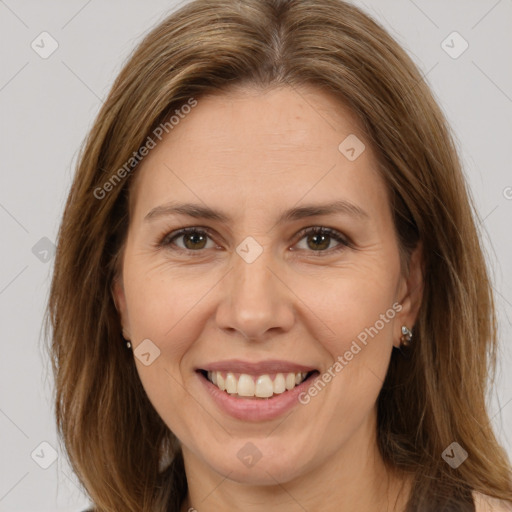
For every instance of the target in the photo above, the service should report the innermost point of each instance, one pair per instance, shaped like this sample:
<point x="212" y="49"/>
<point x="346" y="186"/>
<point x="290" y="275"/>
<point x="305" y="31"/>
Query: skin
<point x="252" y="154"/>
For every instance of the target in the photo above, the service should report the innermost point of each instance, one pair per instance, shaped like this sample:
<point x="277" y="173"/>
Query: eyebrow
<point x="199" y="211"/>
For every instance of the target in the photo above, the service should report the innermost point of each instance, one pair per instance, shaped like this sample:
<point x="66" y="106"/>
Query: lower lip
<point x="257" y="409"/>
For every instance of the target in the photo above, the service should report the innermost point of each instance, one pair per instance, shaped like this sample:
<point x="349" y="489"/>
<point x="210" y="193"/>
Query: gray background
<point x="47" y="107"/>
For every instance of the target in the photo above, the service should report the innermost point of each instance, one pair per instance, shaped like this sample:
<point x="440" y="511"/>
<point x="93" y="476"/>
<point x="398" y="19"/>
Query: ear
<point x="410" y="293"/>
<point x="118" y="295"/>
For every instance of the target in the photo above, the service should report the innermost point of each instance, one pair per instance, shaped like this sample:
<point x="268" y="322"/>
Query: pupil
<point x="195" y="238"/>
<point x="322" y="237"/>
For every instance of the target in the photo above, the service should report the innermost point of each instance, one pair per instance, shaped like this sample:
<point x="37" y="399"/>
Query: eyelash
<point x="167" y="240"/>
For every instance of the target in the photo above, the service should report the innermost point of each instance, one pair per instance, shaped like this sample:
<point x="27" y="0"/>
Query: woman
<point x="269" y="291"/>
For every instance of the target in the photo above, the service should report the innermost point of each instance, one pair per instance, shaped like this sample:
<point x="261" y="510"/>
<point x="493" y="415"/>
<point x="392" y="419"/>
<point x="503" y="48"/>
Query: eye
<point x="195" y="239"/>
<point x="321" y="239"/>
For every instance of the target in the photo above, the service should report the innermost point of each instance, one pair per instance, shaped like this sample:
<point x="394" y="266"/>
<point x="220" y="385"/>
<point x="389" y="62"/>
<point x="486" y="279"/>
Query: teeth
<point x="221" y="384"/>
<point x="231" y="383"/>
<point x="245" y="385"/>
<point x="262" y="386"/>
<point x="279" y="384"/>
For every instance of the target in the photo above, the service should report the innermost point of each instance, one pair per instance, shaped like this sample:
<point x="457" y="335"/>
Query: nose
<point x="256" y="301"/>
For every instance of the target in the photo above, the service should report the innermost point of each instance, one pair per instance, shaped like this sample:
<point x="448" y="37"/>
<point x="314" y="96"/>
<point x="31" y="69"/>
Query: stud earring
<point x="405" y="339"/>
<point x="128" y="343"/>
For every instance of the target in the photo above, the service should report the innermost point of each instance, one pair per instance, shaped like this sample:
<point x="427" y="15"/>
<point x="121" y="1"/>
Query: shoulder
<point x="484" y="503"/>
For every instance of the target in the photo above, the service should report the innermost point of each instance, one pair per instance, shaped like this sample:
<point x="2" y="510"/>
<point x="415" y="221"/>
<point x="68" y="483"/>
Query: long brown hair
<point x="115" y="440"/>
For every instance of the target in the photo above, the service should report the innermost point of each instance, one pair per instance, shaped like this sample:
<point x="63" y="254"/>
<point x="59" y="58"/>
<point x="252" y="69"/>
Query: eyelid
<point x="333" y="233"/>
<point x="165" y="240"/>
<point x="343" y="241"/>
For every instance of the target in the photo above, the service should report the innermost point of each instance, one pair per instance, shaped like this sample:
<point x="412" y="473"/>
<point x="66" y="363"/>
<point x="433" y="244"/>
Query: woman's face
<point x="253" y="287"/>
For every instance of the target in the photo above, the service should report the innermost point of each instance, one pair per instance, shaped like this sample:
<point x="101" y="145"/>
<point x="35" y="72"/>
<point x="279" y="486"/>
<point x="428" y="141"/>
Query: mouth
<point x="256" y="387"/>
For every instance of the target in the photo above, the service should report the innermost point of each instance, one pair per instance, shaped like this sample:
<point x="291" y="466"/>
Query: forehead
<point x="252" y="147"/>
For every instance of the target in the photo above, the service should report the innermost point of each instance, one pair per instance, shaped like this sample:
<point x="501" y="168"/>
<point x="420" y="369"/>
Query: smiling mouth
<point x="243" y="385"/>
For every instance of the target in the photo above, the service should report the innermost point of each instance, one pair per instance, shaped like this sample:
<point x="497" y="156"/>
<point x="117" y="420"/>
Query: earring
<point x="128" y="344"/>
<point x="405" y="339"/>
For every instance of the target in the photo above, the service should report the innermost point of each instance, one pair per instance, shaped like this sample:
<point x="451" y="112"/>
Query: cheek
<point x="169" y="307"/>
<point x="164" y="308"/>
<point x="353" y="321"/>
<point x="351" y="304"/>
<point x="344" y="312"/>
<point x="164" y="304"/>
<point x="358" y="340"/>
<point x="338" y="307"/>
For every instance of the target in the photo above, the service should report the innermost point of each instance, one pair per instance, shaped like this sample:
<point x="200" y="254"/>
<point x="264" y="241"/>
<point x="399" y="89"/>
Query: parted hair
<point x="121" y="450"/>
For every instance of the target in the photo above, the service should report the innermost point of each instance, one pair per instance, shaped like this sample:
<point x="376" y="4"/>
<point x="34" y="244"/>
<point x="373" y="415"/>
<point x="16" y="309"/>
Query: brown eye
<point x="194" y="239"/>
<point x="319" y="239"/>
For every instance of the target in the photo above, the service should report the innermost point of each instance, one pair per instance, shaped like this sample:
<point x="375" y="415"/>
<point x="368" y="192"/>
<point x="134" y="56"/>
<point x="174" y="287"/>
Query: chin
<point x="246" y="464"/>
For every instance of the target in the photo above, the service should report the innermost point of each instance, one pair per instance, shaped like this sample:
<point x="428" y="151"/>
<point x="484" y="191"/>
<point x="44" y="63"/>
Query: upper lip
<point x="260" y="368"/>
